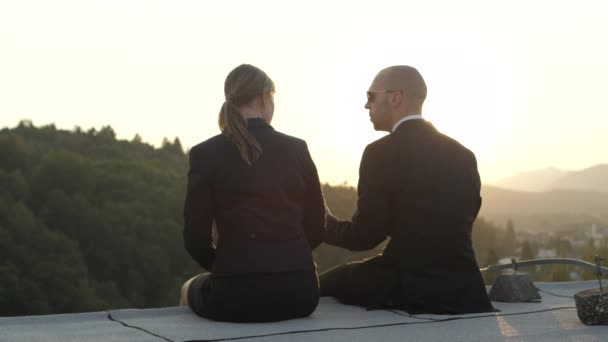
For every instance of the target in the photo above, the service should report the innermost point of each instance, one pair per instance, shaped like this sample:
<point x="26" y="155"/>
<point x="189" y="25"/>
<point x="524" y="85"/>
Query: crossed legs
<point x="367" y="283"/>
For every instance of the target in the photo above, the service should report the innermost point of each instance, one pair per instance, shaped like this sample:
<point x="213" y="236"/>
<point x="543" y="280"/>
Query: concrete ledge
<point x="552" y="319"/>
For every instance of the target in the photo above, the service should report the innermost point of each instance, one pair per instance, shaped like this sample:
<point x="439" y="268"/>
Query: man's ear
<point x="396" y="99"/>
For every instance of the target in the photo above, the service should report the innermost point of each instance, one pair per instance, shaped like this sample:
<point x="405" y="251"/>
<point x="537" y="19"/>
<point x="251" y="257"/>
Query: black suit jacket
<point x="421" y="189"/>
<point x="269" y="216"/>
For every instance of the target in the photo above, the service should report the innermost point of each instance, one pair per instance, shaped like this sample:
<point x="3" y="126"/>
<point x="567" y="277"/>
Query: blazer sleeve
<point x="476" y="184"/>
<point x="369" y="224"/>
<point x="198" y="214"/>
<point x="314" y="205"/>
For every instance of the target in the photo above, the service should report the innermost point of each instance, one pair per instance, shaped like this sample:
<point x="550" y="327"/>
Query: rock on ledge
<point x="513" y="288"/>
<point x="592" y="306"/>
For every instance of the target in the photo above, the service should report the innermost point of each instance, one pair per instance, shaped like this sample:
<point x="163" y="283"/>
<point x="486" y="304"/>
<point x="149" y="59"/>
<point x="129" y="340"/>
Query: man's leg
<point x="367" y="283"/>
<point x="335" y="281"/>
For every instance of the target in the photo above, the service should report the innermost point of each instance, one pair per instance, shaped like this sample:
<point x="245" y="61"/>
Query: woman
<point x="262" y="190"/>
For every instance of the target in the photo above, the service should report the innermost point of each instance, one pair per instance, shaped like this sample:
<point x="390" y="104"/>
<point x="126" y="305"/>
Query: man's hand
<point x="329" y="217"/>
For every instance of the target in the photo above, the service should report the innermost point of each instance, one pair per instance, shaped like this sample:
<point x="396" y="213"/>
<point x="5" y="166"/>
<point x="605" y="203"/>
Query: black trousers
<point x="255" y="298"/>
<point x="370" y="283"/>
<point x="375" y="284"/>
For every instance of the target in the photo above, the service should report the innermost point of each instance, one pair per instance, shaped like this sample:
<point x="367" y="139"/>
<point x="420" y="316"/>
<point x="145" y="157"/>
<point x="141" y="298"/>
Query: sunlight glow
<point x="521" y="86"/>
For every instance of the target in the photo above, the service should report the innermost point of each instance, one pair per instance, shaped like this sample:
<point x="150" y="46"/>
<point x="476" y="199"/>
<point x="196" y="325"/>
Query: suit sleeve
<point x="476" y="183"/>
<point x="198" y="215"/>
<point x="314" y="205"/>
<point x="369" y="224"/>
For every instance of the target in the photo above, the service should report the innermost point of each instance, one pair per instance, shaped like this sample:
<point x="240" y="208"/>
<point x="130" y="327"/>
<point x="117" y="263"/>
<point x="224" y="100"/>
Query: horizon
<point x="187" y="148"/>
<point x="522" y="97"/>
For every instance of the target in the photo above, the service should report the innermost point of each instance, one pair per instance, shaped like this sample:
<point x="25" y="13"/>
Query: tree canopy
<point x="89" y="222"/>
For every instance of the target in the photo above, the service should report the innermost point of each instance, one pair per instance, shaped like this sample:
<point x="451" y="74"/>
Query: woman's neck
<point x="251" y="112"/>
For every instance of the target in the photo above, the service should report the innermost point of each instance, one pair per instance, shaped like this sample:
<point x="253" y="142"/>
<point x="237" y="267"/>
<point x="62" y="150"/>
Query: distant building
<point x="505" y="260"/>
<point x="596" y="235"/>
<point x="546" y="253"/>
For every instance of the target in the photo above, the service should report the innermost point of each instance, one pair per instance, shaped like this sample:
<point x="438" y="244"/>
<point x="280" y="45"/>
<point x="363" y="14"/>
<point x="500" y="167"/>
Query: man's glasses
<point x="371" y="94"/>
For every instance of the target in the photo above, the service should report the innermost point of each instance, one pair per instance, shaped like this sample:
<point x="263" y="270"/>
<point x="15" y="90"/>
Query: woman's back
<point x="262" y="190"/>
<point x="269" y="215"/>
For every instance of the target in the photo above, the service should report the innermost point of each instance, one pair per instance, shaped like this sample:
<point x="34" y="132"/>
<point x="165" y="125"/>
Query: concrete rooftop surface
<point x="552" y="319"/>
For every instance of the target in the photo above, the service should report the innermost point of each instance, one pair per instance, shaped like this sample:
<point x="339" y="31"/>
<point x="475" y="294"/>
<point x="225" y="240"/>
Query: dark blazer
<point x="422" y="189"/>
<point x="269" y="216"/>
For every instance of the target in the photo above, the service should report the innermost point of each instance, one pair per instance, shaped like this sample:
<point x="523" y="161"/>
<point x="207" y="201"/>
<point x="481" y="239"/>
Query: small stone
<point x="514" y="288"/>
<point x="592" y="305"/>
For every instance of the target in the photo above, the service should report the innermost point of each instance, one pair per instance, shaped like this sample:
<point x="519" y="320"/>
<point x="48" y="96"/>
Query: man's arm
<point x="369" y="225"/>
<point x="198" y="215"/>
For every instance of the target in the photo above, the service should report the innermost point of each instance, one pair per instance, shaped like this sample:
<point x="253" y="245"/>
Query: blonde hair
<point x="242" y="85"/>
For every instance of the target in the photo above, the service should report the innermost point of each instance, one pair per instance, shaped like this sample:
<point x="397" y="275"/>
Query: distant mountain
<point x="551" y="211"/>
<point x="594" y="178"/>
<point x="535" y="181"/>
<point x="545" y="211"/>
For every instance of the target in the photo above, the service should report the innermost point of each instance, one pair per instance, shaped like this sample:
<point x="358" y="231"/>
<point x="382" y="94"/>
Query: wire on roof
<point x="427" y="321"/>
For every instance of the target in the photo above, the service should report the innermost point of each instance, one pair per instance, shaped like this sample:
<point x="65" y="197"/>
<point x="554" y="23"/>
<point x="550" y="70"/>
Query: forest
<point x="89" y="222"/>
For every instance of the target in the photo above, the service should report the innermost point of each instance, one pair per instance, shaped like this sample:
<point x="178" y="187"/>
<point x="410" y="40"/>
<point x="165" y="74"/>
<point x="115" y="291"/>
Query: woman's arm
<point x="198" y="213"/>
<point x="314" y="204"/>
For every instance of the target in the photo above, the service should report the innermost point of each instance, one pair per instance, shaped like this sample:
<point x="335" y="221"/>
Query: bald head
<point x="395" y="93"/>
<point x="406" y="79"/>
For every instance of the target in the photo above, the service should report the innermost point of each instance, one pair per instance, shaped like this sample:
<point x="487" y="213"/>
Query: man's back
<point x="433" y="184"/>
<point x="433" y="187"/>
<point x="420" y="188"/>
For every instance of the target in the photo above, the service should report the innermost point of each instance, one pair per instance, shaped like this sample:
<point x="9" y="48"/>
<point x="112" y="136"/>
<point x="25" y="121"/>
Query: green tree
<point x="588" y="253"/>
<point x="111" y="210"/>
<point x="485" y="235"/>
<point x="527" y="253"/>
<point x="491" y="259"/>
<point x="174" y="148"/>
<point x="42" y="270"/>
<point x="61" y="169"/>
<point x="508" y="241"/>
<point x="13" y="154"/>
<point x="14" y="185"/>
<point x="137" y="138"/>
<point x="106" y="133"/>
<point x="564" y="250"/>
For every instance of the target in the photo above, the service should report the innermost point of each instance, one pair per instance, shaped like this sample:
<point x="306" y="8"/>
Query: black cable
<point x="136" y="327"/>
<point x="431" y="320"/>
<point x="554" y="294"/>
<point x="409" y="315"/>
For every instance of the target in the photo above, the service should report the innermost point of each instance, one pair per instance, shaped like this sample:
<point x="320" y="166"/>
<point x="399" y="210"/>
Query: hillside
<point x="594" y="178"/>
<point x="532" y="181"/>
<point x="545" y="211"/>
<point x="88" y="222"/>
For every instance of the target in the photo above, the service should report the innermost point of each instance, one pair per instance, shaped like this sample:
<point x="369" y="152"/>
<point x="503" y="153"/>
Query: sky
<point x="520" y="83"/>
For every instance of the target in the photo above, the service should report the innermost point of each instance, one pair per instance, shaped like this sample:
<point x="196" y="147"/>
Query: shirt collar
<point x="257" y="122"/>
<point x="407" y="118"/>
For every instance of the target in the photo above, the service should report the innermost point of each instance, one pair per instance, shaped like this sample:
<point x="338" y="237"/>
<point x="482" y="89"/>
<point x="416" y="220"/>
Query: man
<point x="421" y="189"/>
